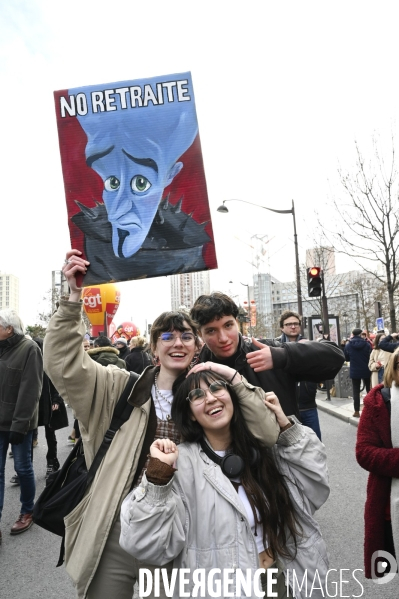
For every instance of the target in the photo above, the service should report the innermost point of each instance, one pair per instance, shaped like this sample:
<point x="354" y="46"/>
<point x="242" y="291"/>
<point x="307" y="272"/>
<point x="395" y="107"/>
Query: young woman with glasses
<point x="232" y="503"/>
<point x="93" y="557"/>
<point x="377" y="451"/>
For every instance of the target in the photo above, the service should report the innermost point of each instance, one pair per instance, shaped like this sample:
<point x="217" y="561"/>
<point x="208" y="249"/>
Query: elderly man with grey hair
<point x="21" y="375"/>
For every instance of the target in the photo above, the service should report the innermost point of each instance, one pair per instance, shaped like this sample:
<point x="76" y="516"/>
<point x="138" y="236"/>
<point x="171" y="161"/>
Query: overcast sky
<point x="282" y="92"/>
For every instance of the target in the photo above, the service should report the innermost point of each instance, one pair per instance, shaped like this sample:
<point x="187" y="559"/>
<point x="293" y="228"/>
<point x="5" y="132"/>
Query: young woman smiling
<point x="231" y="503"/>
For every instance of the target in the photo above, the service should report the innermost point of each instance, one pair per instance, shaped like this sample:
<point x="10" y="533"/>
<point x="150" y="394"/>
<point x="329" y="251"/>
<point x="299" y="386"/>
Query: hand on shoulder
<point x="272" y="402"/>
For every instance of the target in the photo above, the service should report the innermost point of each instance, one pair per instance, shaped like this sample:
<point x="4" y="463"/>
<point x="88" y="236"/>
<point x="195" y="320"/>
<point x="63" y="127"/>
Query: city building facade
<point x="9" y="292"/>
<point x="351" y="296"/>
<point x="185" y="288"/>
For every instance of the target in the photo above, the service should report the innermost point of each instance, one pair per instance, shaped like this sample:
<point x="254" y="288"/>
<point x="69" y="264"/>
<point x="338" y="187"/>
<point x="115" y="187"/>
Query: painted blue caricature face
<point x="133" y="188"/>
<point x="135" y="151"/>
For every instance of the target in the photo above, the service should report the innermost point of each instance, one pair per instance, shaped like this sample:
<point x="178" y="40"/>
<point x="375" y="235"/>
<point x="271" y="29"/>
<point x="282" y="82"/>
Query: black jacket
<point x="388" y="344"/>
<point x="123" y="353"/>
<point x="357" y="353"/>
<point x="137" y="360"/>
<point x="306" y="391"/>
<point x="310" y="361"/>
<point x="48" y="398"/>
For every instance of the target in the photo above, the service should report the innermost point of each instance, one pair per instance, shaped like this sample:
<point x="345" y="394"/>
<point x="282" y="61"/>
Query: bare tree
<point x="368" y="292"/>
<point x="372" y="220"/>
<point x="52" y="299"/>
<point x="263" y="328"/>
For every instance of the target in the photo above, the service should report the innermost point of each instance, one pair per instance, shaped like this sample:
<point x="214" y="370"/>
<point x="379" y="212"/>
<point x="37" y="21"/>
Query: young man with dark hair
<point x="269" y="364"/>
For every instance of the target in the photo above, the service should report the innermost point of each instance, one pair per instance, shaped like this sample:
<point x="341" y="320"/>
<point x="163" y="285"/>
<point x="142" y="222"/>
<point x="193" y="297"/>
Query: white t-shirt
<point x="250" y="515"/>
<point x="162" y="407"/>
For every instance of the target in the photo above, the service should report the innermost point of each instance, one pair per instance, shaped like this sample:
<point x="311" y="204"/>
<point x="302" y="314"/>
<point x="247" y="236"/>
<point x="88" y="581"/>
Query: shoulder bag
<point x="66" y="487"/>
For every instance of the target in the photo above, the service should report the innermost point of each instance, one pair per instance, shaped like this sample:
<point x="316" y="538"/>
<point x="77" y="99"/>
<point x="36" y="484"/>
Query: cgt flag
<point x="134" y="179"/>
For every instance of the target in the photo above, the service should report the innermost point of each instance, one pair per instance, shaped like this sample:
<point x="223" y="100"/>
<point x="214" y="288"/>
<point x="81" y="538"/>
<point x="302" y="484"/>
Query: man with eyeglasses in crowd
<point x="269" y="364"/>
<point x="290" y="325"/>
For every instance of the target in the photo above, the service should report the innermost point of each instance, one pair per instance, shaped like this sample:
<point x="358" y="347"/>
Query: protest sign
<point x="134" y="178"/>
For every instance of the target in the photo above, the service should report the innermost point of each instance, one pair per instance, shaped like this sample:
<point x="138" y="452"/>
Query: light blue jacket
<point x="199" y="521"/>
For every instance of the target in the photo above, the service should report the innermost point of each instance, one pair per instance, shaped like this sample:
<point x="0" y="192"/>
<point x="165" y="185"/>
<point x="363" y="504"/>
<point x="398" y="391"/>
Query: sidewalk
<point x="339" y="407"/>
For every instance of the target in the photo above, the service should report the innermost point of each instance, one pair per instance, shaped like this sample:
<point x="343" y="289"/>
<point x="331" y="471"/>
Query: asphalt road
<point x="27" y="561"/>
<point x="341" y="517"/>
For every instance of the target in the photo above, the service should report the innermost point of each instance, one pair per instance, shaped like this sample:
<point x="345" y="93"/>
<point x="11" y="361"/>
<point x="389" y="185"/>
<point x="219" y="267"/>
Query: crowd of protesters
<point x="205" y="396"/>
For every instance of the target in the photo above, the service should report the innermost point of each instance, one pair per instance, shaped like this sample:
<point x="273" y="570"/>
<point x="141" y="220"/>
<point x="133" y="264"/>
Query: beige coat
<point x="375" y="356"/>
<point x="92" y="391"/>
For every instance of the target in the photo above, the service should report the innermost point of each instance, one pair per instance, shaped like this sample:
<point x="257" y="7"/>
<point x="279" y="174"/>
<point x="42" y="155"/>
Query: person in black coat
<point x="389" y="343"/>
<point x="290" y="325"/>
<point x="52" y="415"/>
<point x="121" y="346"/>
<point x="138" y="359"/>
<point x="357" y="353"/>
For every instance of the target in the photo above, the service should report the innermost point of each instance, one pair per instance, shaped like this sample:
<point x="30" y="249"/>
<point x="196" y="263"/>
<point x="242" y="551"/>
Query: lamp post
<point x="345" y="315"/>
<point x="249" y="308"/>
<point x="224" y="210"/>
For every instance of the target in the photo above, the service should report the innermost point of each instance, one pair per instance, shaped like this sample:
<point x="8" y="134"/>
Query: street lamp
<point x="249" y="305"/>
<point x="224" y="210"/>
<point x="345" y="315"/>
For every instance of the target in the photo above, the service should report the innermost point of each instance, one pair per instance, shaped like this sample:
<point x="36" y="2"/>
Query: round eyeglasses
<point x="198" y="396"/>
<point x="170" y="338"/>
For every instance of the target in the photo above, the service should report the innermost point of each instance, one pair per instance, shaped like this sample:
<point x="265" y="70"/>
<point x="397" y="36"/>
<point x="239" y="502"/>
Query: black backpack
<point x="66" y="487"/>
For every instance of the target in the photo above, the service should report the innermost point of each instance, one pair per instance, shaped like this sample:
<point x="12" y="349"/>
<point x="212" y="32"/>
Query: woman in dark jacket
<point x="51" y="402"/>
<point x="121" y="346"/>
<point x="374" y="452"/>
<point x="138" y="359"/>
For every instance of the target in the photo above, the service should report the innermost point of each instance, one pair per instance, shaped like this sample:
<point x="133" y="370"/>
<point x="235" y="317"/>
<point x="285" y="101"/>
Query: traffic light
<point x="314" y="281"/>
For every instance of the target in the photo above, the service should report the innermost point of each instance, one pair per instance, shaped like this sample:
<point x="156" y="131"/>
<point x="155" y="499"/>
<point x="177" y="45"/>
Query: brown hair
<point x="377" y="340"/>
<point x="389" y="370"/>
<point x="172" y="321"/>
<point x="286" y="315"/>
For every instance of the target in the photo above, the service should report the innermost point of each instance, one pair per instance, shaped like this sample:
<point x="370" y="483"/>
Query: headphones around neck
<point x="232" y="465"/>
